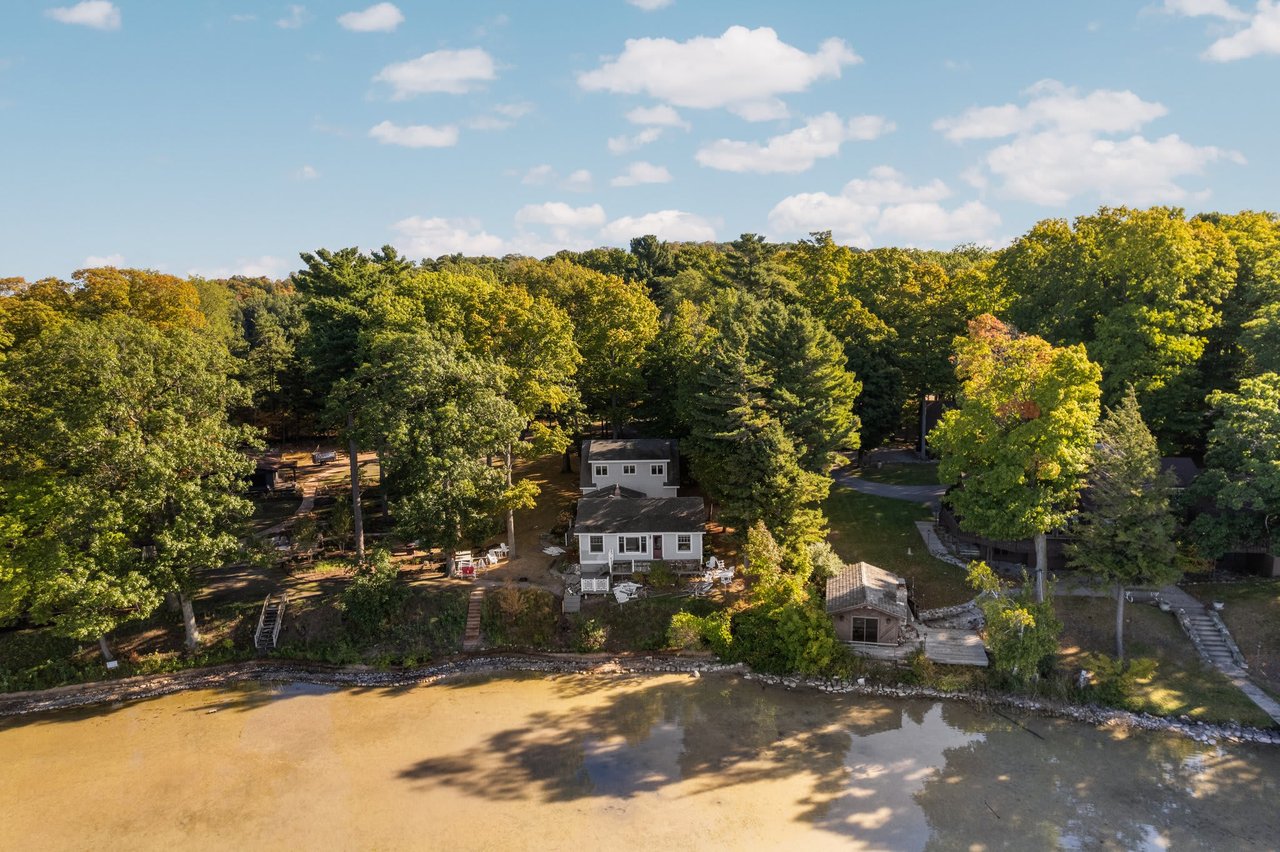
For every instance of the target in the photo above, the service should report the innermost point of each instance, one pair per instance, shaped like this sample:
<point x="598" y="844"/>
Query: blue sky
<point x="219" y="137"/>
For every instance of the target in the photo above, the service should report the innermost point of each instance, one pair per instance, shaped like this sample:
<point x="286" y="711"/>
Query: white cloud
<point x="885" y="205"/>
<point x="1059" y="148"/>
<point x="505" y="116"/>
<point x="415" y="135"/>
<point x="742" y="70"/>
<point x="560" y="215"/>
<point x="266" y="266"/>
<point x="1050" y="169"/>
<point x="378" y="18"/>
<point x="1204" y="8"/>
<point x="450" y="71"/>
<point x="661" y="115"/>
<point x="651" y="5"/>
<point x="306" y="173"/>
<point x="103" y="260"/>
<point x="296" y="18"/>
<point x="640" y="173"/>
<point x="1057" y="107"/>
<point x="922" y="223"/>
<point x="98" y="14"/>
<point x="664" y="224"/>
<point x="578" y="181"/>
<point x="1262" y="35"/>
<point x="623" y="144"/>
<point x="792" y="152"/>
<point x="243" y="18"/>
<point x="432" y="237"/>
<point x="538" y="175"/>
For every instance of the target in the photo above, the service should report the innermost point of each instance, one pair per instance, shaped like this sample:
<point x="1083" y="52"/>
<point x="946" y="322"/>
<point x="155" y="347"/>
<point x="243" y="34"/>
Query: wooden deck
<point x="949" y="647"/>
<point x="954" y="647"/>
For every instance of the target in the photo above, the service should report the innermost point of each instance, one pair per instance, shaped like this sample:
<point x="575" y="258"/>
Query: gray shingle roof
<point x="862" y="584"/>
<point x="630" y="449"/>
<point x="614" y="491"/>
<point x="642" y="515"/>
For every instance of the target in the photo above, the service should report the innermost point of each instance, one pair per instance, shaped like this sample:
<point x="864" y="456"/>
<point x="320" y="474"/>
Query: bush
<point x="520" y="617"/>
<point x="685" y="631"/>
<point x="591" y="636"/>
<point x="375" y="595"/>
<point x="1115" y="681"/>
<point x="661" y="576"/>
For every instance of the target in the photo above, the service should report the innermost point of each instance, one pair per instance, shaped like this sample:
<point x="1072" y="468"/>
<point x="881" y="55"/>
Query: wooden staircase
<point x="270" y="621"/>
<point x="475" y="605"/>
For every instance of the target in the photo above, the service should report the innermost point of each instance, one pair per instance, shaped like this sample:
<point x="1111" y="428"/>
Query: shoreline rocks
<point x="140" y="688"/>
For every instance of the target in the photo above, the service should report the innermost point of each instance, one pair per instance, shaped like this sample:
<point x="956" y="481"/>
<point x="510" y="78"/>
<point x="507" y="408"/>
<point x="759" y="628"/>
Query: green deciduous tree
<point x="1020" y="631"/>
<point x="1126" y="536"/>
<point x="119" y="472"/>
<point x="1018" y="445"/>
<point x="1242" y="476"/>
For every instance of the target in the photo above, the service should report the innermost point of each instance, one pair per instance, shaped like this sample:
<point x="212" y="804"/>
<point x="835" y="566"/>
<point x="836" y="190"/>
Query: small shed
<point x="272" y="473"/>
<point x="868" y="604"/>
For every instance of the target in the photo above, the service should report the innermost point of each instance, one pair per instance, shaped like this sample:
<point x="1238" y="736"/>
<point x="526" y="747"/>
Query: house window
<point x="658" y="469"/>
<point x="863" y="629"/>
<point x="602" y="470"/>
<point x="633" y="544"/>
<point x="595" y="544"/>
<point x="684" y="543"/>
<point x="628" y="470"/>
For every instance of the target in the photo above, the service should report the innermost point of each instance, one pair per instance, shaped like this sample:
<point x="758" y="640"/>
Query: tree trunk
<point x="357" y="516"/>
<point x="924" y="412"/>
<point x="511" y="513"/>
<point x="105" y="648"/>
<point x="382" y="486"/>
<point x="189" y="623"/>
<point x="566" y="464"/>
<point x="1119" y="622"/>
<point x="1042" y="559"/>
<point x="613" y="414"/>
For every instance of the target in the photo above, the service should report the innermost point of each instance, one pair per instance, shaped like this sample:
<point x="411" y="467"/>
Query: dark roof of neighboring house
<point x="613" y="491"/>
<point x="861" y="584"/>
<point x="630" y="449"/>
<point x="640" y="515"/>
<point x="1184" y="469"/>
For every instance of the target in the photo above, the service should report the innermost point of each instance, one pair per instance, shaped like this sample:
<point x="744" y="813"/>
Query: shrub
<point x="685" y="631"/>
<point x="1115" y="681"/>
<point x="375" y="595"/>
<point x="591" y="636"/>
<point x="520" y="617"/>
<point x="661" y="576"/>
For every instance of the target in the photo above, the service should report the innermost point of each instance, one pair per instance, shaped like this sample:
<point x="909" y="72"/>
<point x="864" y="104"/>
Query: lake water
<point x="609" y="763"/>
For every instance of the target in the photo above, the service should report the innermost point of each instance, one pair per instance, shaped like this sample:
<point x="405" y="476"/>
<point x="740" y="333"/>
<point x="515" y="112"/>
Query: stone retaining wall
<point x="133" y="689"/>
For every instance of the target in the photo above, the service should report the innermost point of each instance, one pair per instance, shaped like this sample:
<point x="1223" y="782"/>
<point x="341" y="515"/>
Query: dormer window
<point x="602" y="470"/>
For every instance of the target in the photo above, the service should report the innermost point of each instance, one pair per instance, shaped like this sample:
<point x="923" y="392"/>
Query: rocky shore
<point x="134" y="689"/>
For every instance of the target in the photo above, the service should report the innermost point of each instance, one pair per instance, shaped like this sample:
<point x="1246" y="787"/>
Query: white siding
<point x="611" y="542"/>
<point x="642" y="480"/>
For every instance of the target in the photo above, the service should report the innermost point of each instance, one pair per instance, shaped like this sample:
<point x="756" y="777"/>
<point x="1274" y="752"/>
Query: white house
<point x="649" y="466"/>
<point x="619" y="535"/>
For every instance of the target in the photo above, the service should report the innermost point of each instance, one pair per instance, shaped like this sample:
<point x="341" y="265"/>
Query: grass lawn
<point x="880" y="530"/>
<point x="641" y="625"/>
<point x="1252" y="614"/>
<point x="271" y="509"/>
<point x="1182" y="685"/>
<point x="925" y="473"/>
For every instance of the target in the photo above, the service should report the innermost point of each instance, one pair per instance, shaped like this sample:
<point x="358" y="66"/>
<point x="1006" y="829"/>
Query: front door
<point x="657" y="547"/>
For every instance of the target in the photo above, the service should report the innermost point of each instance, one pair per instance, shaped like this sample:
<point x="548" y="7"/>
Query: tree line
<point x="128" y="397"/>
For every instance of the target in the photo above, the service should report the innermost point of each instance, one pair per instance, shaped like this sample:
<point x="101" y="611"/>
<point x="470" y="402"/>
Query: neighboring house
<point x="650" y="466"/>
<point x="1021" y="553"/>
<point x="868" y="605"/>
<point x="272" y="473"/>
